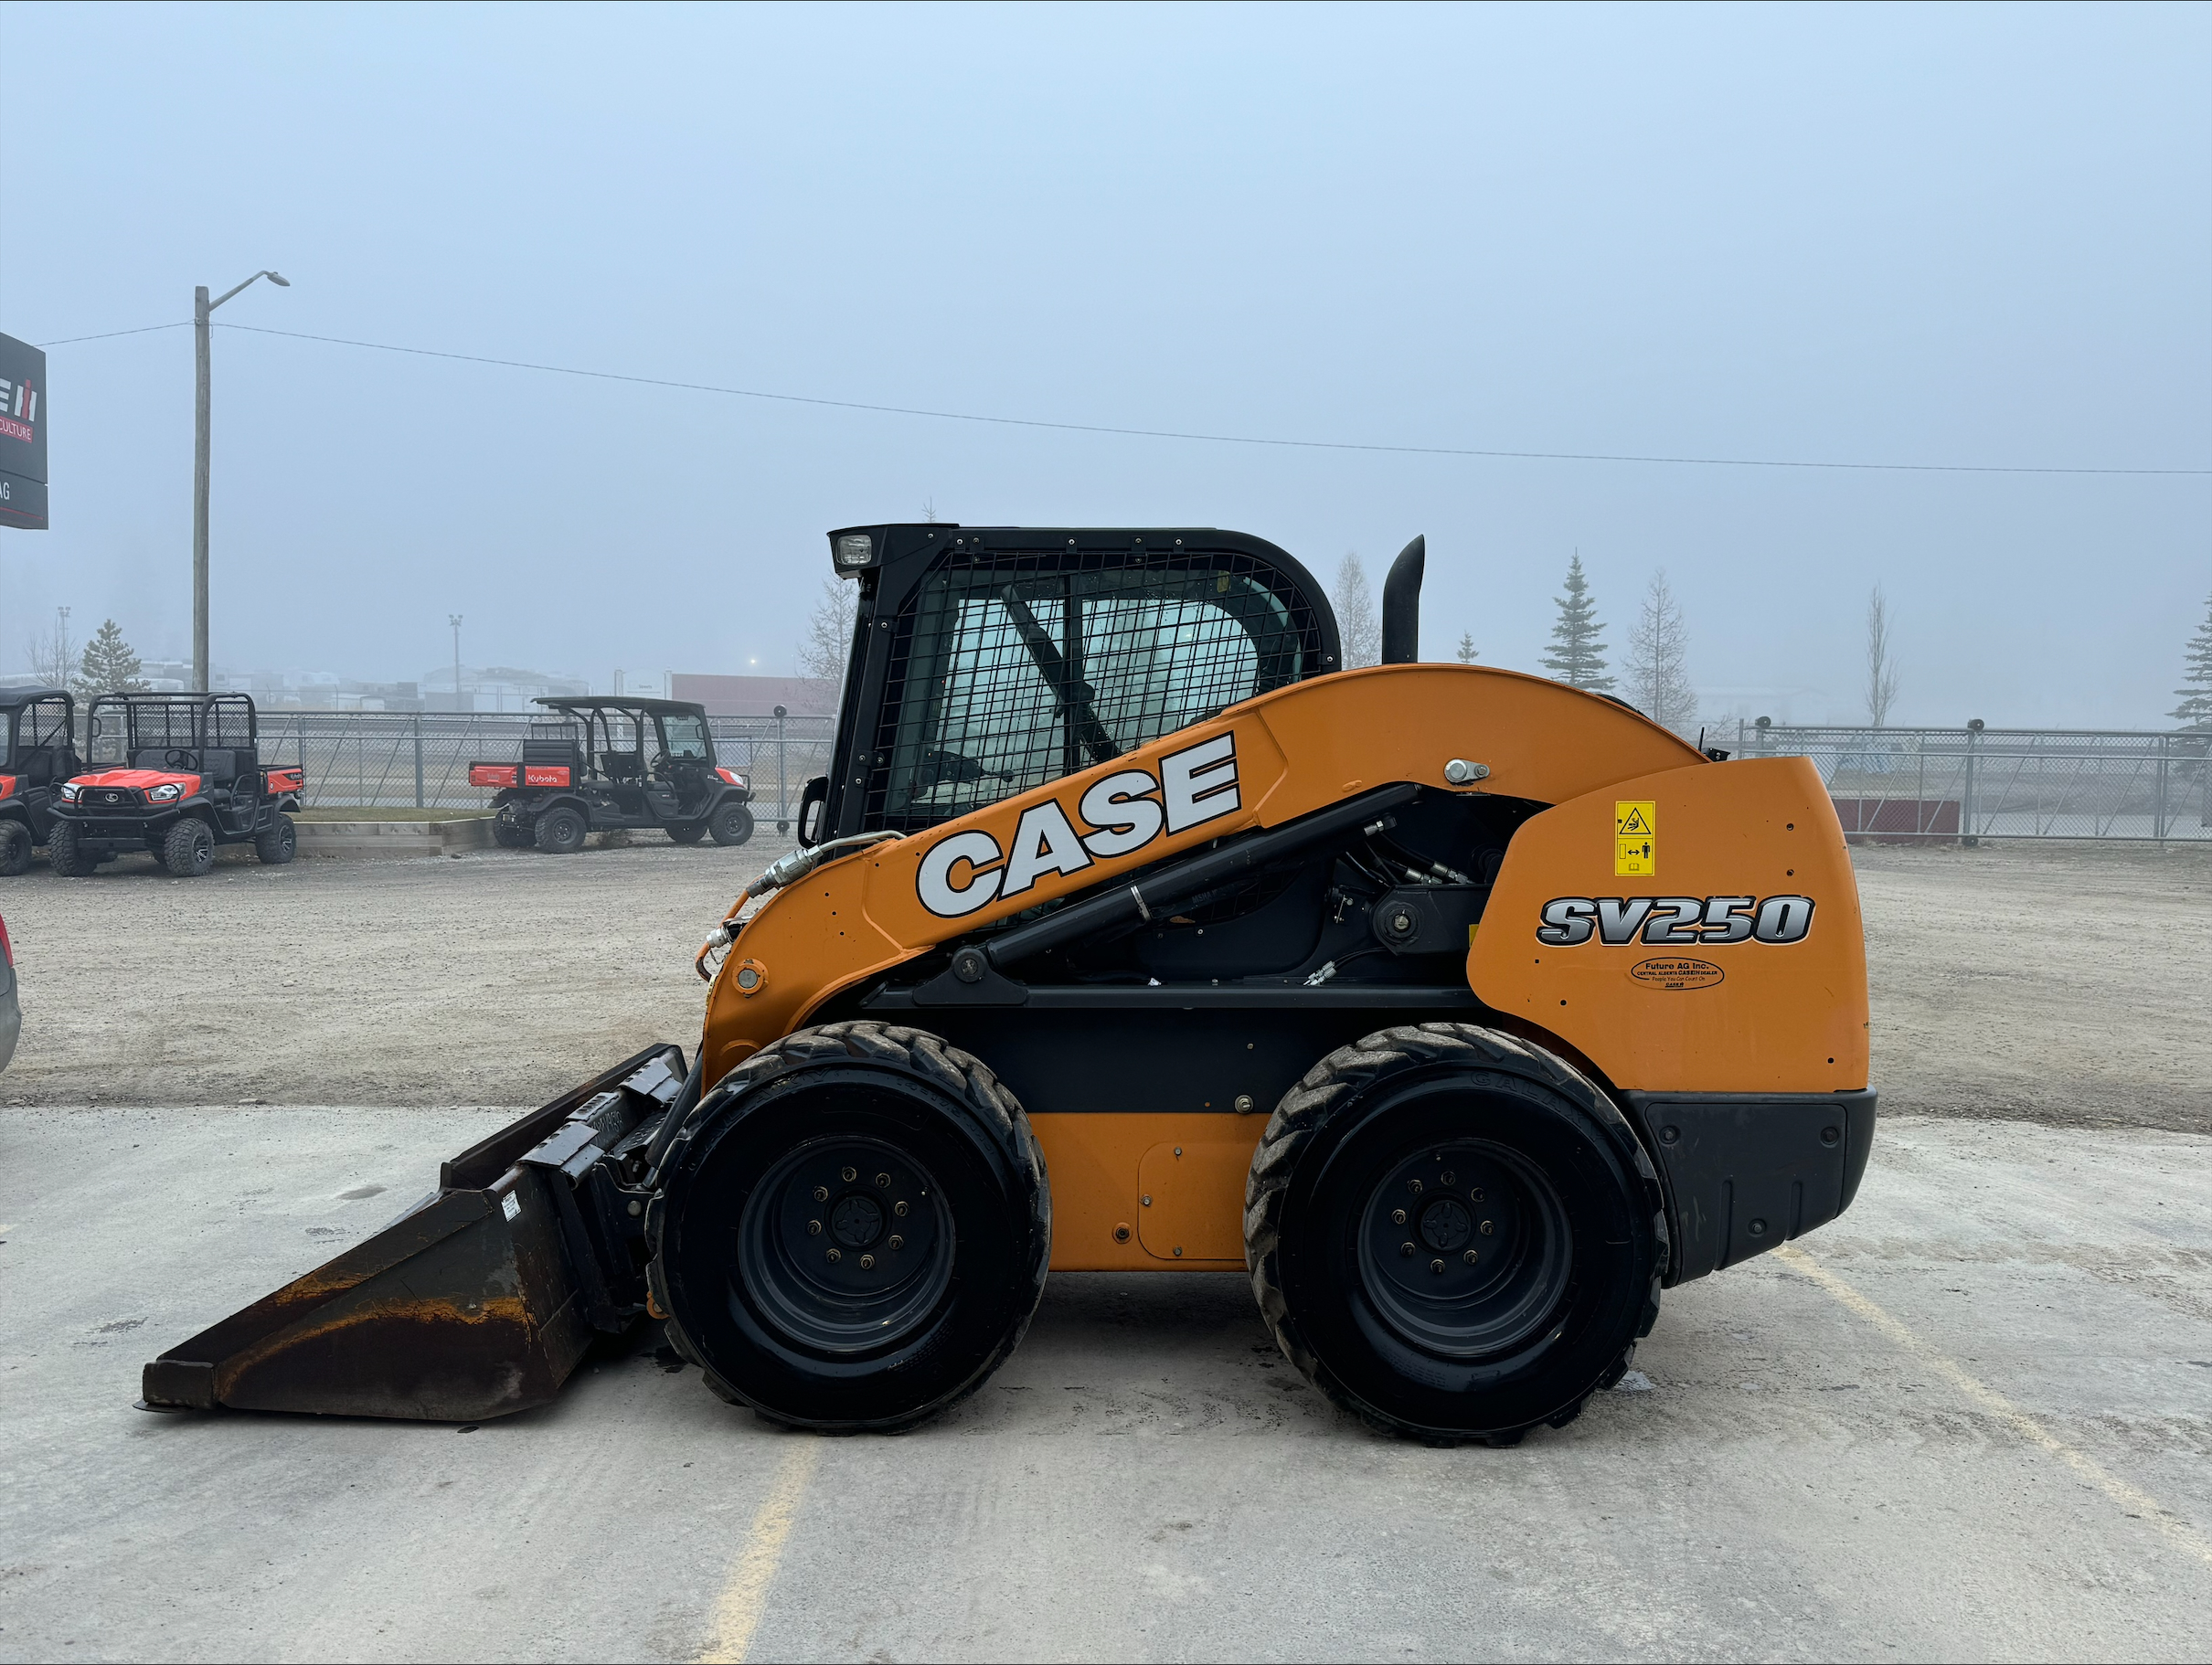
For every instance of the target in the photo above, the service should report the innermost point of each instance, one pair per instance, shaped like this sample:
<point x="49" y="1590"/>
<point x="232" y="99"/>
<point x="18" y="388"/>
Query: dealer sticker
<point x="1635" y="839"/>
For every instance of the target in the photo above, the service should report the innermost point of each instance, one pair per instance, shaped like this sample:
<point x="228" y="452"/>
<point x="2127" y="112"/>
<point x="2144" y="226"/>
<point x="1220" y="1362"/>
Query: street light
<point x="454" y="620"/>
<point x="201" y="307"/>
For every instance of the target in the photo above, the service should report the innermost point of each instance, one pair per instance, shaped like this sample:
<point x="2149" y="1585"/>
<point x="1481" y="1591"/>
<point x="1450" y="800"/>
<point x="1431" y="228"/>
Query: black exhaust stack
<point x="1401" y="620"/>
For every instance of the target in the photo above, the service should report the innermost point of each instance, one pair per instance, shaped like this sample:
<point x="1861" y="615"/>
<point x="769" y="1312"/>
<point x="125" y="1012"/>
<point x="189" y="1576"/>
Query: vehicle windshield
<point x="686" y="738"/>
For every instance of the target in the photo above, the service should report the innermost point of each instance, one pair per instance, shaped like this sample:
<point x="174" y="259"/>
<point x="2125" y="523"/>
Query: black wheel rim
<point x="846" y="1246"/>
<point x="1462" y="1249"/>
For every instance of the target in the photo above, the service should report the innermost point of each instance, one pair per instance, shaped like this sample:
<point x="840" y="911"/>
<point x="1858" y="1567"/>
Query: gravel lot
<point x="1970" y="1419"/>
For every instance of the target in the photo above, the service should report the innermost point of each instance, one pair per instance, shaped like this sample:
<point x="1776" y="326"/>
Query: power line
<point x="1169" y="433"/>
<point x="111" y="334"/>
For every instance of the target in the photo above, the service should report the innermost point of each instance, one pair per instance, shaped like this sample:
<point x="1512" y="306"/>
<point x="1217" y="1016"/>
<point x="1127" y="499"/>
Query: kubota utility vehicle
<point x="610" y="762"/>
<point x="38" y="753"/>
<point x="1461" y="1011"/>
<point x="174" y="775"/>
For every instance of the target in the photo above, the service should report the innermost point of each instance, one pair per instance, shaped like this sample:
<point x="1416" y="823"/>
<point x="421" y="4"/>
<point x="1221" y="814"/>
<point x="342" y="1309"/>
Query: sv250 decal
<point x="1675" y="921"/>
<point x="1195" y="785"/>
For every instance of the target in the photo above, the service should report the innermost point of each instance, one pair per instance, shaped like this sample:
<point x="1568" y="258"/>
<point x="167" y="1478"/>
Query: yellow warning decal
<point x="1635" y="838"/>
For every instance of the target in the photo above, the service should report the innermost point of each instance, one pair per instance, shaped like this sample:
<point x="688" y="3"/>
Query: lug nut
<point x="898" y="1242"/>
<point x="1436" y="1265"/>
<point x="822" y="1193"/>
<point x="1476" y="1194"/>
<point x="900" y="1209"/>
<point x="813" y="1228"/>
<point x="1414" y="1186"/>
<point x="835" y="1256"/>
<point x="867" y="1263"/>
<point x="849" y="1175"/>
<point x="884" y="1179"/>
<point x="1398" y="1216"/>
<point x="1447" y="1179"/>
<point x="1406" y="1249"/>
<point x="1490" y="1229"/>
<point x="1469" y="1256"/>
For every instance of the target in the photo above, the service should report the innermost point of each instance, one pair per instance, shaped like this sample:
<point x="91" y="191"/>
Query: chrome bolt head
<point x="1406" y="1249"/>
<point x="1436" y="1265"/>
<point x="849" y="1175"/>
<point x="1447" y="1179"/>
<point x="835" y="1256"/>
<point x="867" y="1263"/>
<point x="1414" y="1186"/>
<point x="883" y="1182"/>
<point x="1490" y="1229"/>
<point x="1398" y="1216"/>
<point x="1476" y="1195"/>
<point x="900" y="1209"/>
<point x="898" y="1242"/>
<point x="1469" y="1256"/>
<point x="813" y="1228"/>
<point x="822" y="1193"/>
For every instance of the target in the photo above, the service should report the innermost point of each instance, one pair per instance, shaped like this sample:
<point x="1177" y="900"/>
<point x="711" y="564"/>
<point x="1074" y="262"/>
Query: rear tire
<point x="65" y="853"/>
<point x="773" y="1237"/>
<point x="1453" y="1234"/>
<point x="14" y="849"/>
<point x="278" y="843"/>
<point x="686" y="832"/>
<point x="730" y="825"/>
<point x="560" y="832"/>
<point x="188" y="851"/>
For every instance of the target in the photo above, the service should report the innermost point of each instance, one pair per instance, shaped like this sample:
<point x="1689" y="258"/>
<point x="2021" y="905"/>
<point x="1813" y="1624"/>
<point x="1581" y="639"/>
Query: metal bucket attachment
<point x="477" y="1303"/>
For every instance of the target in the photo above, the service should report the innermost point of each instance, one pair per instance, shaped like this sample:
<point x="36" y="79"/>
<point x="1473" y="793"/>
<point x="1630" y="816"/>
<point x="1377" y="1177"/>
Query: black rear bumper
<point x="1747" y="1171"/>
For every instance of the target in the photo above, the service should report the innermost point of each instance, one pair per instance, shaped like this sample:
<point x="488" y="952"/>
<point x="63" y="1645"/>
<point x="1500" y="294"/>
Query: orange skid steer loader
<point x="1461" y="1011"/>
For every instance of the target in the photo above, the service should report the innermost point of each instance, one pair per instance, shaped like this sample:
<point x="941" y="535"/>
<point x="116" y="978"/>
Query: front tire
<point x="509" y="836"/>
<point x="14" y="849"/>
<point x="188" y="851"/>
<point x="277" y="843"/>
<point x="560" y="832"/>
<point x="1453" y="1234"/>
<point x="730" y="825"/>
<point x="686" y="832"/>
<point x="853" y="1229"/>
<point x="65" y="852"/>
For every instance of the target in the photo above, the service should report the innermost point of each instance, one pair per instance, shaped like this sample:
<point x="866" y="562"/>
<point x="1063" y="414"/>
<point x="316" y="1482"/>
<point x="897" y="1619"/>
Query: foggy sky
<point x="1967" y="236"/>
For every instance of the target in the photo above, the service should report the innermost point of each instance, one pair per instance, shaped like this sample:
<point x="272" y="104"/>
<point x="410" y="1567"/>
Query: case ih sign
<point x="22" y="435"/>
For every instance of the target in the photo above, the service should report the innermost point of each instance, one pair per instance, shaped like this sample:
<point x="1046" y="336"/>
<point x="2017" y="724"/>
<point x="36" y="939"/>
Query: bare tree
<point x="1881" y="662"/>
<point x="826" y="643"/>
<point x="1658" y="653"/>
<point x="1356" y="623"/>
<point x="53" y="651"/>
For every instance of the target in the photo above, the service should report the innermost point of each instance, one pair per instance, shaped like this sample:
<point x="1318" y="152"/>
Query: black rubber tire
<point x="188" y="851"/>
<point x="837" y="1349"/>
<point x="560" y="831"/>
<point x="730" y="825"/>
<point x="686" y="832"/>
<point x="279" y="841"/>
<point x="1550" y="1310"/>
<point x="508" y="836"/>
<point x="64" y="854"/>
<point x="14" y="849"/>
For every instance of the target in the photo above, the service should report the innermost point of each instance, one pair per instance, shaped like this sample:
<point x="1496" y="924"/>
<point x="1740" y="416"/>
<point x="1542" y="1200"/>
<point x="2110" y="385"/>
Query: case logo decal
<point x="1635" y="839"/>
<point x="1673" y="921"/>
<point x="1117" y="816"/>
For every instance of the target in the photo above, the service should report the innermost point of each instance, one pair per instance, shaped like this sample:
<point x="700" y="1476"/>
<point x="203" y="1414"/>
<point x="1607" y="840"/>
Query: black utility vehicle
<point x="38" y="753"/>
<point x="175" y="775"/>
<point x="608" y="762"/>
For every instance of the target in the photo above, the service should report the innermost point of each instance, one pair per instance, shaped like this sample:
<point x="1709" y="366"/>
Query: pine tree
<point x="1658" y="648"/>
<point x="1577" y="654"/>
<point x="107" y="665"/>
<point x="1468" y="652"/>
<point x="1356" y="627"/>
<point x="2196" y="708"/>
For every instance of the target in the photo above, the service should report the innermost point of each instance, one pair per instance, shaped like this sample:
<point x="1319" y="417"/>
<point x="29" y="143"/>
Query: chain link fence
<point x="406" y="759"/>
<point x="1977" y="782"/>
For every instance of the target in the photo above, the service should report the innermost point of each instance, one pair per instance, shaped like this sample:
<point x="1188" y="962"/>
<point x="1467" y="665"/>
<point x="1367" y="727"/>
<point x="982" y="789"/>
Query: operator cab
<point x="38" y="737"/>
<point x="986" y="661"/>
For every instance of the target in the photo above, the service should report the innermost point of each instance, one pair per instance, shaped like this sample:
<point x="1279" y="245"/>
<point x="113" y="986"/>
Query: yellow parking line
<point x="2184" y="1535"/>
<point x="737" y="1615"/>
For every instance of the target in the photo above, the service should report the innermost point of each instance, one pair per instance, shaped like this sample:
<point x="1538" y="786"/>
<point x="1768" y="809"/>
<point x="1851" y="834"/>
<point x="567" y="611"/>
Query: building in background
<point x="756" y="695"/>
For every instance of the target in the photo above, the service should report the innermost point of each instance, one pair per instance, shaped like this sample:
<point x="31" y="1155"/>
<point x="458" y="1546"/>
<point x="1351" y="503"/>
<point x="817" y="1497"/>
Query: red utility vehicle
<point x="185" y="774"/>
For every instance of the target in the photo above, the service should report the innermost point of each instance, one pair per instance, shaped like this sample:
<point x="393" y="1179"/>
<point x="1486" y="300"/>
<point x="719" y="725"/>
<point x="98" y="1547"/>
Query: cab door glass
<point x="686" y="739"/>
